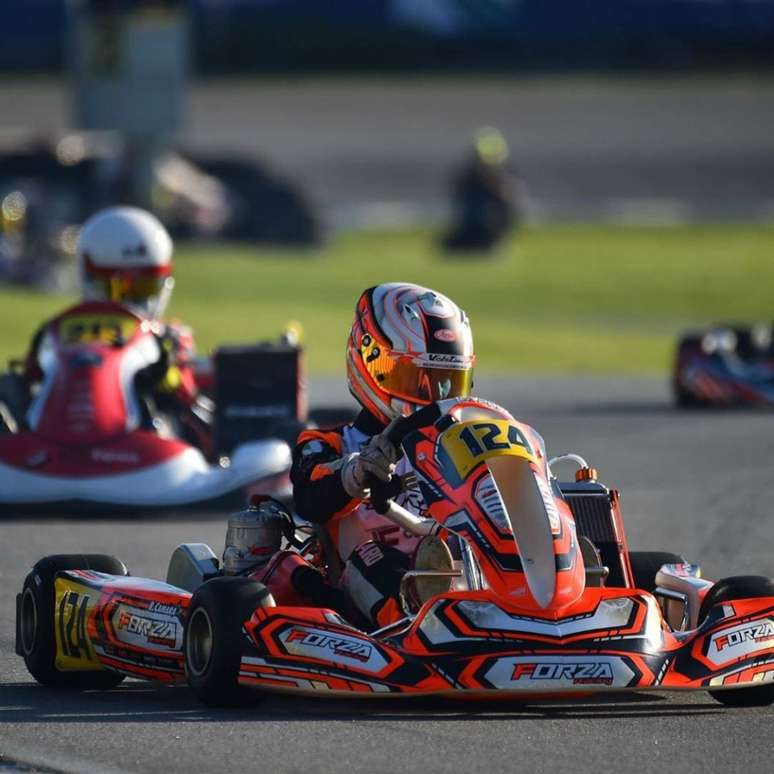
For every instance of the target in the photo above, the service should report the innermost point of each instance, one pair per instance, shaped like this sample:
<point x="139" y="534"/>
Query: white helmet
<point x="126" y="257"/>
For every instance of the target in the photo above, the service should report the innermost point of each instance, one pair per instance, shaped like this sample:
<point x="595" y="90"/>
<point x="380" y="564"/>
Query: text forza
<point x="757" y="633"/>
<point x="359" y="650"/>
<point x="577" y="673"/>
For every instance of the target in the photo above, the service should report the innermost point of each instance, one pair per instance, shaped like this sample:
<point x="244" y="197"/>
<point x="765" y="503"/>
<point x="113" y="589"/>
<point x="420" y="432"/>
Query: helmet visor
<point x="128" y="287"/>
<point x="422" y="379"/>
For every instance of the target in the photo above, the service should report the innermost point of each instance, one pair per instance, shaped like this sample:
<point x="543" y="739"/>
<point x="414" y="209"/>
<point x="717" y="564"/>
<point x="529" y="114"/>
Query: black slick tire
<point x="727" y="590"/>
<point x="213" y="639"/>
<point x="35" y="637"/>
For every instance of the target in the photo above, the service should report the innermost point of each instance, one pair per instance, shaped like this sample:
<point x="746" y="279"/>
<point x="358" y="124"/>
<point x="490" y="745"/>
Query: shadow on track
<point x="139" y="703"/>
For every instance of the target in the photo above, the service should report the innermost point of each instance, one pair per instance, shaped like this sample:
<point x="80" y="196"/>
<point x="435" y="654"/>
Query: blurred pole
<point x="129" y="61"/>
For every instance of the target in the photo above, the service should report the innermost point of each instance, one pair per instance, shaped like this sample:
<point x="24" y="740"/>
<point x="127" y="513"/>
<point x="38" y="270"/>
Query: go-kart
<point x="544" y="599"/>
<point x="725" y="366"/>
<point x="89" y="438"/>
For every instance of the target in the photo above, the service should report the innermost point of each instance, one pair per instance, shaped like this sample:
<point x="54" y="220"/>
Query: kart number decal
<point x="73" y="605"/>
<point x="91" y="329"/>
<point x="466" y="444"/>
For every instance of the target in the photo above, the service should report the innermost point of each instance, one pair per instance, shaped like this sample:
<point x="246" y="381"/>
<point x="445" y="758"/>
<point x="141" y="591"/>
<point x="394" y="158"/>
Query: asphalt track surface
<point x="692" y="482"/>
<point x="628" y="149"/>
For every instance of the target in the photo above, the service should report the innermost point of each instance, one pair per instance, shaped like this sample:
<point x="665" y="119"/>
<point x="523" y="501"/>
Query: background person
<point x="485" y="196"/>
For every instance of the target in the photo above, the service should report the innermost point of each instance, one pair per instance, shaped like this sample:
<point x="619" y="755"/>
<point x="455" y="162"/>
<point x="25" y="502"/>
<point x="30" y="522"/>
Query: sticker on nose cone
<point x="553" y="673"/>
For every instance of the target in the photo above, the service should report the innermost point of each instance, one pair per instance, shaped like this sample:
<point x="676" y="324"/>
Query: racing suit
<point x="169" y="384"/>
<point x="366" y="549"/>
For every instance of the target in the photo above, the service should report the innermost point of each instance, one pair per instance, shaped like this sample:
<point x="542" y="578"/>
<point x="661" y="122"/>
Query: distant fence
<point x="232" y="36"/>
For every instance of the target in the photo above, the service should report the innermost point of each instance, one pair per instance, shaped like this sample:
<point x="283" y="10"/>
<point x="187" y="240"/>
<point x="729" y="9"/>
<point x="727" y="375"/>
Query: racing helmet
<point x="408" y="346"/>
<point x="125" y="255"/>
<point x="255" y="534"/>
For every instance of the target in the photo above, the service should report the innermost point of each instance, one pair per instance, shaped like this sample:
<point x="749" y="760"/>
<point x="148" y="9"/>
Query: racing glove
<point x="377" y="458"/>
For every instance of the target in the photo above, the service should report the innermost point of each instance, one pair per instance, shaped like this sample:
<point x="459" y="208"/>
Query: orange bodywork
<point x="528" y="630"/>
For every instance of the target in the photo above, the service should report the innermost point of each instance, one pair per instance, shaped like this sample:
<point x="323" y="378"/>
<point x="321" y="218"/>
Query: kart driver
<point x="408" y="346"/>
<point x="125" y="256"/>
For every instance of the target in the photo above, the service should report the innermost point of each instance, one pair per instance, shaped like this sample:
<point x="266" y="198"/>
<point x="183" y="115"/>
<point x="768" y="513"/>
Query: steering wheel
<point x="382" y="492"/>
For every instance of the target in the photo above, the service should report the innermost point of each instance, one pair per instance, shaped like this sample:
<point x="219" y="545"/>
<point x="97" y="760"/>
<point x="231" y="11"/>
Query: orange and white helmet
<point x="126" y="256"/>
<point x="409" y="346"/>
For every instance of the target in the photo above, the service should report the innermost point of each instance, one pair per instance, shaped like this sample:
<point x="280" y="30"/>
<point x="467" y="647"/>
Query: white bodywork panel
<point x="185" y="478"/>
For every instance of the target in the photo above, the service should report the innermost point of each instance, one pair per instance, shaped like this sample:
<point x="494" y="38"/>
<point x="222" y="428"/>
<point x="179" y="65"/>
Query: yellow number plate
<point x="97" y="328"/>
<point x="468" y="443"/>
<point x="73" y="605"/>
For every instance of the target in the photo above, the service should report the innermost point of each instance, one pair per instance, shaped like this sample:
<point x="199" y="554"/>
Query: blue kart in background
<point x="725" y="366"/>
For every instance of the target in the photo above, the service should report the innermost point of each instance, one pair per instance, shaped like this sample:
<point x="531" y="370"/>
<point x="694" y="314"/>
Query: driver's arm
<point x="176" y="378"/>
<point x="316" y="475"/>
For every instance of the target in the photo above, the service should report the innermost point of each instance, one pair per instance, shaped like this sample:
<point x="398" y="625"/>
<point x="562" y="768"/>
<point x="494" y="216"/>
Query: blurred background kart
<point x="49" y="186"/>
<point x="727" y="365"/>
<point x="89" y="437"/>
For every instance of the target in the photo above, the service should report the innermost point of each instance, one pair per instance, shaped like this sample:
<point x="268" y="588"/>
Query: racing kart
<point x="90" y="437"/>
<point x="544" y="598"/>
<point x="725" y="366"/>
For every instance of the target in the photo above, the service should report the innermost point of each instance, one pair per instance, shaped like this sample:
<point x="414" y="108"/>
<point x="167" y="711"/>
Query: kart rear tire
<point x="213" y="639"/>
<point x="35" y="622"/>
<point x="645" y="565"/>
<point x="727" y="590"/>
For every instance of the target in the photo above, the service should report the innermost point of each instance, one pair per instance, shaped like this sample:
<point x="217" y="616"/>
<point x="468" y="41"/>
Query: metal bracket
<point x="675" y="596"/>
<point x="410" y="574"/>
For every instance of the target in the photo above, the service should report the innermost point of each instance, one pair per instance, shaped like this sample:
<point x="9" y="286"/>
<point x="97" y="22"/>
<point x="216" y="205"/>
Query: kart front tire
<point x="727" y="590"/>
<point x="645" y="565"/>
<point x="213" y="639"/>
<point x="36" y="639"/>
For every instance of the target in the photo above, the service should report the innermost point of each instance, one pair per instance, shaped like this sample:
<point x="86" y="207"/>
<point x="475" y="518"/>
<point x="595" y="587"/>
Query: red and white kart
<point x="549" y="601"/>
<point x="87" y="439"/>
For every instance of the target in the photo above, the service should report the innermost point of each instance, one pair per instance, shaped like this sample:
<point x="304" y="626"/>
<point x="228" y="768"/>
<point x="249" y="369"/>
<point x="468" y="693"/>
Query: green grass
<point x="569" y="298"/>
